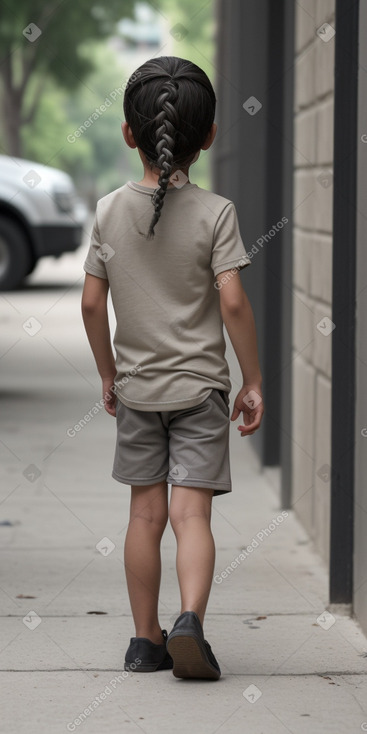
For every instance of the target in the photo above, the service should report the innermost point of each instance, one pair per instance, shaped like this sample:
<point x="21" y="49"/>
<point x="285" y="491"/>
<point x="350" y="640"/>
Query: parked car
<point x="40" y="215"/>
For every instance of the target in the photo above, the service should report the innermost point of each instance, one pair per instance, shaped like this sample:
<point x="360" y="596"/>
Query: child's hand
<point x="249" y="401"/>
<point x="108" y="395"/>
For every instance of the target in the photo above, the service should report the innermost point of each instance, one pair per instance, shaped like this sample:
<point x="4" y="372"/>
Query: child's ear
<point x="128" y="136"/>
<point x="210" y="137"/>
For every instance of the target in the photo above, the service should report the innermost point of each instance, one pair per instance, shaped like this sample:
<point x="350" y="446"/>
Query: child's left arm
<point x="95" y="317"/>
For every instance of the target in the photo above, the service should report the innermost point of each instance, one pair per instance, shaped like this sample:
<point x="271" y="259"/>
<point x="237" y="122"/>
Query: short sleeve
<point x="228" y="250"/>
<point x="96" y="257"/>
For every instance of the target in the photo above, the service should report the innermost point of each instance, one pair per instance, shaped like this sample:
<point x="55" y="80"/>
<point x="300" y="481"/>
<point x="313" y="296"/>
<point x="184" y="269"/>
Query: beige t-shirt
<point x="169" y="341"/>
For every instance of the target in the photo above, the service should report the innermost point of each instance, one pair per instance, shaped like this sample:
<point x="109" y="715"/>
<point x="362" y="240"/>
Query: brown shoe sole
<point x="189" y="658"/>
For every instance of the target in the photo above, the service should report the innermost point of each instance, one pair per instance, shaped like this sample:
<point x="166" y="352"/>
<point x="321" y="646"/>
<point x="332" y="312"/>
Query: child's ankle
<point x="154" y="635"/>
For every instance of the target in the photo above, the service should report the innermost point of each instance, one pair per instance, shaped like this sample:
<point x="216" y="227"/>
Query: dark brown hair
<point x="169" y="104"/>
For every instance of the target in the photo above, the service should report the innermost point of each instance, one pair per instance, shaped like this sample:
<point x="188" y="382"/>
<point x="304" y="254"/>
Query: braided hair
<point x="169" y="104"/>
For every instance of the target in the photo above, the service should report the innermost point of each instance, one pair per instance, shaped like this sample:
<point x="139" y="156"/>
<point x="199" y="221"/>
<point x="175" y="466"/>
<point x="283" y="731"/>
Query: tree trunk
<point x="12" y="123"/>
<point x="13" y="98"/>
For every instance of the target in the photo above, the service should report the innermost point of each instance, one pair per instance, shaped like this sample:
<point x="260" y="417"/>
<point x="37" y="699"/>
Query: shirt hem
<point x="239" y="263"/>
<point x="94" y="271"/>
<point x="162" y="406"/>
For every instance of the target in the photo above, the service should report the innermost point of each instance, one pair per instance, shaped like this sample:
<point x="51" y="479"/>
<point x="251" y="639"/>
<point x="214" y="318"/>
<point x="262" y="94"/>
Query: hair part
<point x="169" y="104"/>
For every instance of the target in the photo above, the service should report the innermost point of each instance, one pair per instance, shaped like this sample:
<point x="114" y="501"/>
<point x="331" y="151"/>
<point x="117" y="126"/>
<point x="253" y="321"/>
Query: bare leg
<point x="190" y="514"/>
<point x="142" y="557"/>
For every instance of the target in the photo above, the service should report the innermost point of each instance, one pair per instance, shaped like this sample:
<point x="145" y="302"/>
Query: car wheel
<point x="15" y="255"/>
<point x="32" y="264"/>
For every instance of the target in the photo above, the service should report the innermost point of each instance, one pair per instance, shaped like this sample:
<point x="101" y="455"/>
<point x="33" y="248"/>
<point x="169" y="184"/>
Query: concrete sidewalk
<point x="283" y="659"/>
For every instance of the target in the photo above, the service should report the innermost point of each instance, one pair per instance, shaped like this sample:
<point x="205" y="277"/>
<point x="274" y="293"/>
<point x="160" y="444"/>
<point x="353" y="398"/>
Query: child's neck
<point x="151" y="179"/>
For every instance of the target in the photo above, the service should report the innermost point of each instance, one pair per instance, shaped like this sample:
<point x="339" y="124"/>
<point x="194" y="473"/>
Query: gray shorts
<point x="187" y="447"/>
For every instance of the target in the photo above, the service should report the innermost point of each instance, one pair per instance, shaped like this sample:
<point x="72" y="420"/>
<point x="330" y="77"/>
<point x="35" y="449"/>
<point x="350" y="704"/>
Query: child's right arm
<point x="239" y="320"/>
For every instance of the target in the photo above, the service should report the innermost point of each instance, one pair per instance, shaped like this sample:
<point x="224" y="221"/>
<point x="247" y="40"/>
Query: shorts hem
<point x="219" y="487"/>
<point x="139" y="481"/>
<point x="206" y="483"/>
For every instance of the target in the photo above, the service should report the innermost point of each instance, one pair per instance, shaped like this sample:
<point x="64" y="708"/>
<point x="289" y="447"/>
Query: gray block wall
<point x="312" y="271"/>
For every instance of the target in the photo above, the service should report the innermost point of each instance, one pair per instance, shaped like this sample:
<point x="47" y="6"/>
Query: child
<point x="174" y="279"/>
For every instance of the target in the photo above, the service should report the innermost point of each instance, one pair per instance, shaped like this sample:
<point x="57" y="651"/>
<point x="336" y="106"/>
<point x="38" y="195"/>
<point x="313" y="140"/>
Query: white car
<point x="40" y="215"/>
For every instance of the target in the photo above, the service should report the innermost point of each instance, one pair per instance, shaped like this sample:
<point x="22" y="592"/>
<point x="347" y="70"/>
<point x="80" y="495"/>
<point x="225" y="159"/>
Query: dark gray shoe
<point x="152" y="657"/>
<point x="192" y="655"/>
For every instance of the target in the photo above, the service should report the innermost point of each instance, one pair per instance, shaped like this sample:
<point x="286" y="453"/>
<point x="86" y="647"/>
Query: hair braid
<point x="167" y="121"/>
<point x="169" y="105"/>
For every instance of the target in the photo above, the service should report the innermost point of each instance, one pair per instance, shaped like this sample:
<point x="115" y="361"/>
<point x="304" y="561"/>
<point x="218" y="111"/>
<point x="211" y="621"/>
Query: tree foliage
<point x="59" y="98"/>
<point x="43" y="40"/>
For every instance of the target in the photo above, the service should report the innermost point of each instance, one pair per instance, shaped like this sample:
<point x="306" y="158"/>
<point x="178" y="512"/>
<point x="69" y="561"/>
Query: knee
<point x="179" y="515"/>
<point x="155" y="518"/>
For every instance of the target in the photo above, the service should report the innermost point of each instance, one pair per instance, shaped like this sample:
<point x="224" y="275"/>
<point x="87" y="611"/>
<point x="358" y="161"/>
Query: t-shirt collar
<point x="150" y="190"/>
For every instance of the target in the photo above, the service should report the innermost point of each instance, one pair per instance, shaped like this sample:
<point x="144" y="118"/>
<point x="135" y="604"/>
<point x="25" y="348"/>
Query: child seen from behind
<point x="170" y="253"/>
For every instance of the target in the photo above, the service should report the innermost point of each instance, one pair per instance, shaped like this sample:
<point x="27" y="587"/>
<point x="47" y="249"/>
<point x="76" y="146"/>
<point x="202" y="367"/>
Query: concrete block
<point x="302" y="259"/>
<point x="323" y="337"/>
<point x="324" y="66"/>
<point x="324" y="12"/>
<point x="303" y="388"/>
<point x="321" y="268"/>
<point x="304" y="199"/>
<point x="305" y="138"/>
<point x="303" y="336"/>
<point x="302" y="488"/>
<point x="324" y="134"/>
<point x="304" y="23"/>
<point x="303" y="401"/>
<point x="322" y="465"/>
<point x="304" y="78"/>
<point x="323" y="199"/>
